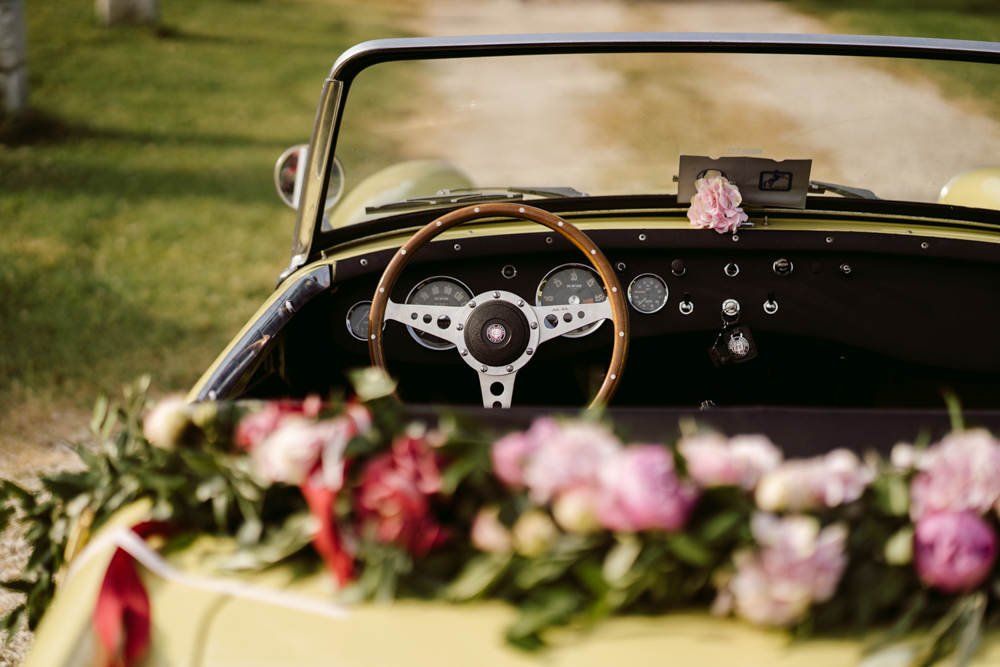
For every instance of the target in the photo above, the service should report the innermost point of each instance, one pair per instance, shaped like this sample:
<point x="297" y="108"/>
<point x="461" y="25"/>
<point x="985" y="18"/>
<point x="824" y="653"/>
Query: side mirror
<point x="289" y="171"/>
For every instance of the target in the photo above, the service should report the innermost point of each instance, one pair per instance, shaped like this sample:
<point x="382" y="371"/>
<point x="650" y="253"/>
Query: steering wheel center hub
<point x="496" y="333"/>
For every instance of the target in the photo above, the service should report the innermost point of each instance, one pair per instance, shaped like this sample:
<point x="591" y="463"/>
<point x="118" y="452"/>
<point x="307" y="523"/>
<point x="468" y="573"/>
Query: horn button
<point x="496" y="333"/>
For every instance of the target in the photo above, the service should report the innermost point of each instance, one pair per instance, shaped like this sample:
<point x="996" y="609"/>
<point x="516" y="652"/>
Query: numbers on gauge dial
<point x="568" y="285"/>
<point x="357" y="320"/>
<point x="437" y="291"/>
<point x="648" y="293"/>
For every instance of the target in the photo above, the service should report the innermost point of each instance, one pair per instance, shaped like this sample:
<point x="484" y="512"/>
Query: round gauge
<point x="357" y="319"/>
<point x="571" y="284"/>
<point x="648" y="293"/>
<point x="437" y="291"/>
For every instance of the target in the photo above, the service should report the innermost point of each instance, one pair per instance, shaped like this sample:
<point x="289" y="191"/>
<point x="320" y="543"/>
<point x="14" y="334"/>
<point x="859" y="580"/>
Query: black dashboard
<point x="840" y="318"/>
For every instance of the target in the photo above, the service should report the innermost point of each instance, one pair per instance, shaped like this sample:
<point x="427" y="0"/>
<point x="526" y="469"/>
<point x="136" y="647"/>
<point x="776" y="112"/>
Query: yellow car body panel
<point x="978" y="187"/>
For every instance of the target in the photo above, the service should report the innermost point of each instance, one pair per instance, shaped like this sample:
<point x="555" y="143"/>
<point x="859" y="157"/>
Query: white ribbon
<point x="126" y="539"/>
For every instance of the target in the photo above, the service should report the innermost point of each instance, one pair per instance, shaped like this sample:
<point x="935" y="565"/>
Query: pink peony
<point x="394" y="496"/>
<point x="961" y="473"/>
<point x="256" y="426"/>
<point x="301" y="447"/>
<point x="740" y="461"/>
<point x="640" y="491"/>
<point x="510" y="453"/>
<point x="796" y="566"/>
<point x="566" y="457"/>
<point x="716" y="205"/>
<point x="823" y="481"/>
<point x="954" y="551"/>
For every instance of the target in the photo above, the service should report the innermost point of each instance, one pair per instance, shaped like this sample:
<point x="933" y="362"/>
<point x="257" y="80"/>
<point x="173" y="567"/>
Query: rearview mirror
<point x="288" y="177"/>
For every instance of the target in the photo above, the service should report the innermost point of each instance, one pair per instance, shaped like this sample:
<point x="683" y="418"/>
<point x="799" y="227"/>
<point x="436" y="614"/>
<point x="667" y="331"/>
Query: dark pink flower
<point x="954" y="551"/>
<point x="640" y="490"/>
<point x="256" y="426"/>
<point x="960" y="473"/>
<point x="394" y="496"/>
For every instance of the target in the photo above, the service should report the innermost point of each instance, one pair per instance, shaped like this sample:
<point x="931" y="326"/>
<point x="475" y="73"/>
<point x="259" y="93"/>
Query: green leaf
<point x="477" y="577"/>
<point x="620" y="559"/>
<point x="457" y="472"/>
<point x="689" y="550"/>
<point x="552" y="607"/>
<point x="971" y="630"/>
<point x="100" y="413"/>
<point x="18" y="586"/>
<point x="10" y="622"/>
<point x="954" y="409"/>
<point x="719" y="526"/>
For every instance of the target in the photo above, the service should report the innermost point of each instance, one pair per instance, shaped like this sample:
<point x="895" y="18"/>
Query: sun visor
<point x="762" y="182"/>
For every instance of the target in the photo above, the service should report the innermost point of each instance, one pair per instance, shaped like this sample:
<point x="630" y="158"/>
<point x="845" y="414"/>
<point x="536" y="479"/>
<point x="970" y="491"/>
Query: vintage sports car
<point x="665" y="226"/>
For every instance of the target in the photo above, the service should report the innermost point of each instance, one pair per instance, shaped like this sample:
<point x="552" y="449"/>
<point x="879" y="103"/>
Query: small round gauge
<point x="357" y="319"/>
<point x="648" y="293"/>
<point x="437" y="291"/>
<point x="571" y="284"/>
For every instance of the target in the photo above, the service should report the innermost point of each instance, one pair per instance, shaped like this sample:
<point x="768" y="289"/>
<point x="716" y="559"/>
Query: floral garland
<point x="563" y="521"/>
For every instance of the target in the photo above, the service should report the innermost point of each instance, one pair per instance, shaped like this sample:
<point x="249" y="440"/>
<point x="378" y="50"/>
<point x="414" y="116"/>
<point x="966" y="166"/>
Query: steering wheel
<point x="497" y="332"/>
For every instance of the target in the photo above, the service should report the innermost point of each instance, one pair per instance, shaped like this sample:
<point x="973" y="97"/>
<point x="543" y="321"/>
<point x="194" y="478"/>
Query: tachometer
<point x="571" y="284"/>
<point x="437" y="291"/>
<point x="357" y="319"/>
<point x="648" y="293"/>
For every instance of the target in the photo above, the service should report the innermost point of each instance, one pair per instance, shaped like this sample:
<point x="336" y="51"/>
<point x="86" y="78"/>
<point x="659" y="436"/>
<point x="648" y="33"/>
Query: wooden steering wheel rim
<point x="619" y="312"/>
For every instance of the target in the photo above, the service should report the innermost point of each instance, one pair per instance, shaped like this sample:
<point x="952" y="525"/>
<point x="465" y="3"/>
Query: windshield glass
<point x="618" y="123"/>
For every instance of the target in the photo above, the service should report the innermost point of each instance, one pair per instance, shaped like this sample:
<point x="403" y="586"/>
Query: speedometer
<point x="437" y="291"/>
<point x="569" y="285"/>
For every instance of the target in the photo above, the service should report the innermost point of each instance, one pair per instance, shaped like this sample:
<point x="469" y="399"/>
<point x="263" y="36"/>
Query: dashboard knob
<point x="730" y="307"/>
<point x="783" y="267"/>
<point x="677" y="267"/>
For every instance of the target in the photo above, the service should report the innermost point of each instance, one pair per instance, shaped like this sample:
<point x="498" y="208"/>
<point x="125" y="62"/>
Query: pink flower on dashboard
<point x="712" y="460"/>
<point x="961" y="473"/>
<point x="954" y="551"/>
<point x="394" y="496"/>
<point x="716" y="205"/>
<point x="640" y="491"/>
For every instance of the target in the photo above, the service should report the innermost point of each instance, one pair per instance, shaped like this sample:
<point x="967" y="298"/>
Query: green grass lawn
<point x="141" y="227"/>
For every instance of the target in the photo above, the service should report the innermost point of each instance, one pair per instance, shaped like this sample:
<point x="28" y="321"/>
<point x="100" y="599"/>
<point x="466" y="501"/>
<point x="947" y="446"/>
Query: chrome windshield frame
<point x="322" y="145"/>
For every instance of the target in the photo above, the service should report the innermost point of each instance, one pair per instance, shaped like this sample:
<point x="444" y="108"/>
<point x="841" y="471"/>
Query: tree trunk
<point x="13" y="58"/>
<point x="113" y="12"/>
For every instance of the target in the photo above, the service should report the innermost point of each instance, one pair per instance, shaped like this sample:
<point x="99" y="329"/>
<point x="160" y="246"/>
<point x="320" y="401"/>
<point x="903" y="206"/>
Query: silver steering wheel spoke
<point x="554" y="321"/>
<point x="440" y="321"/>
<point x="497" y="389"/>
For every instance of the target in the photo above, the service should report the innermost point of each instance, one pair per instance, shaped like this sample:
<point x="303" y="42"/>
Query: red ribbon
<point x="327" y="542"/>
<point x="121" y="616"/>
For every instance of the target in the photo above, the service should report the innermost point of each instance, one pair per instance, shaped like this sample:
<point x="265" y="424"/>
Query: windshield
<point x="619" y="123"/>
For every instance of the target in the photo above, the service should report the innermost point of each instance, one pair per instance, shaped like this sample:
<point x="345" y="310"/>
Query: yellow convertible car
<point x="695" y="233"/>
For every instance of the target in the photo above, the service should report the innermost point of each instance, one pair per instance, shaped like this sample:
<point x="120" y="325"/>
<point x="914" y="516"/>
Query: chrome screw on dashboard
<point x="458" y="247"/>
<point x="529" y="351"/>
<point x="534" y="325"/>
<point x="484" y="368"/>
<point x="465" y="353"/>
<point x="730" y="307"/>
<point x="520" y="303"/>
<point x="496" y="295"/>
<point x="732" y="270"/>
<point x="472" y="304"/>
<point x="289" y="308"/>
<point x="510" y="369"/>
<point x="364" y="262"/>
<point x="459" y="326"/>
<point x="642" y="237"/>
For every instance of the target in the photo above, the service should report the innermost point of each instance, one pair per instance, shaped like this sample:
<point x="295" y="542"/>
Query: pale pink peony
<point x="954" y="551"/>
<point x="961" y="473"/>
<point x="716" y="205"/>
<point x="510" y="453"/>
<point x="568" y="456"/>
<point x="640" y="490"/>
<point x="575" y="510"/>
<point x="256" y="426"/>
<point x="832" y="480"/>
<point x="166" y="423"/>
<point x="712" y="460"/>
<point x="488" y="534"/>
<point x="796" y="566"/>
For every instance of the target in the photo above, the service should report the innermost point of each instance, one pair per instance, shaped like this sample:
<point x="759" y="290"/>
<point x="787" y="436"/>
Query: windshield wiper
<point x="819" y="187"/>
<point x="474" y="196"/>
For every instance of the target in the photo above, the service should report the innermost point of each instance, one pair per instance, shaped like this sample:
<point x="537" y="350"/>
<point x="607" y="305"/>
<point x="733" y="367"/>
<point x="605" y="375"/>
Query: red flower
<point x="394" y="495"/>
<point x="256" y="426"/>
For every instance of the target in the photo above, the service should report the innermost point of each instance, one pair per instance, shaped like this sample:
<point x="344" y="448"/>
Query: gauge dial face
<point x="571" y="284"/>
<point x="357" y="319"/>
<point x="437" y="291"/>
<point x="648" y="293"/>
